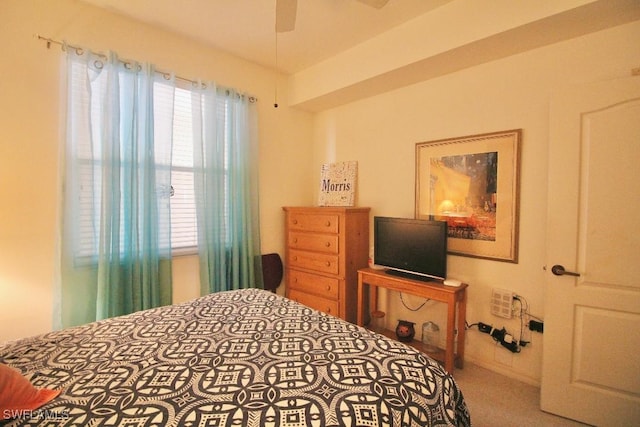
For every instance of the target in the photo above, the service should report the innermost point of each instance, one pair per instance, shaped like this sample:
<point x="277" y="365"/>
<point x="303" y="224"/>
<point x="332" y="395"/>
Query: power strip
<point x="501" y="336"/>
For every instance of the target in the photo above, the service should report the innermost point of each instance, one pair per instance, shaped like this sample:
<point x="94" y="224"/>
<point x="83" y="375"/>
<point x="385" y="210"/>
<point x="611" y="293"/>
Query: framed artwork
<point x="472" y="182"/>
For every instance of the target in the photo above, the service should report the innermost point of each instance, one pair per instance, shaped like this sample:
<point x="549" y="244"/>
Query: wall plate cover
<point x="502" y="303"/>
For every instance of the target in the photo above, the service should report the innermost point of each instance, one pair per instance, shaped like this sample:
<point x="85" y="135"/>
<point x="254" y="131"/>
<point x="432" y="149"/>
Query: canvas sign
<point x="338" y="184"/>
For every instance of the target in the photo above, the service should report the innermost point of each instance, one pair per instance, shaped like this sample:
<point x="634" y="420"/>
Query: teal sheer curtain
<point x="116" y="221"/>
<point x="226" y="188"/>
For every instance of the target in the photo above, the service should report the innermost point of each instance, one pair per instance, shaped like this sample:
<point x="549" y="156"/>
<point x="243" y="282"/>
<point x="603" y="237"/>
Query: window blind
<point x="184" y="227"/>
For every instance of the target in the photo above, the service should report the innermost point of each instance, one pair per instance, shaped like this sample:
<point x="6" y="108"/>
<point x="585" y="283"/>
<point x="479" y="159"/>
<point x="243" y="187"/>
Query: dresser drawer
<point x="325" y="247"/>
<point x="323" y="263"/>
<point x="321" y="304"/>
<point x="314" y="242"/>
<point x="322" y="223"/>
<point x="314" y="284"/>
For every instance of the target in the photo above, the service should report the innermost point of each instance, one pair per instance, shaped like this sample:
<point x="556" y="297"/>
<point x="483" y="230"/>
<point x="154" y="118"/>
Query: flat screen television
<point x="415" y="248"/>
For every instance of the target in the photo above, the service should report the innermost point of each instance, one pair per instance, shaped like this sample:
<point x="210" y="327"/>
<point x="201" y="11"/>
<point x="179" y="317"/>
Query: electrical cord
<point x="525" y="319"/>
<point x="523" y="312"/>
<point x="413" y="309"/>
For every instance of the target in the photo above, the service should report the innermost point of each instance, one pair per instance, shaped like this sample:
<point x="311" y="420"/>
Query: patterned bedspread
<point x="238" y="358"/>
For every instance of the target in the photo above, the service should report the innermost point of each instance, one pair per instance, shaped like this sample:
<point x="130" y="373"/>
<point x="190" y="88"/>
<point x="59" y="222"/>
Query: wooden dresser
<point x="325" y="247"/>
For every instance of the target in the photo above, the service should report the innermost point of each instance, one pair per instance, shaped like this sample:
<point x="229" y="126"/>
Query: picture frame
<point x="473" y="183"/>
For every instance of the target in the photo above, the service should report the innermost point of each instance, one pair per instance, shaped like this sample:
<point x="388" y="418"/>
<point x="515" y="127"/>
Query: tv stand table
<point x="454" y="297"/>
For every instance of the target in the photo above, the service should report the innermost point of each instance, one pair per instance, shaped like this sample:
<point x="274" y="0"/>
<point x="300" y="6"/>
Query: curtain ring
<point x="166" y="76"/>
<point x="127" y="65"/>
<point x="79" y="51"/>
<point x="98" y="64"/>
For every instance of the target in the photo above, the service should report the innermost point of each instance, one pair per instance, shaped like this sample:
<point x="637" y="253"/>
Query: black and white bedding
<point x="237" y="358"/>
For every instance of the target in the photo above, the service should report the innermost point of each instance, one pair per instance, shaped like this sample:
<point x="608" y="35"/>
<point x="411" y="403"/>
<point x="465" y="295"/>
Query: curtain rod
<point x="80" y="50"/>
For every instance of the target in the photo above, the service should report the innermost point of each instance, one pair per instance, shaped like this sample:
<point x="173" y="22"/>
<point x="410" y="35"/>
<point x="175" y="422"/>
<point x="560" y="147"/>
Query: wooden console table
<point x="454" y="297"/>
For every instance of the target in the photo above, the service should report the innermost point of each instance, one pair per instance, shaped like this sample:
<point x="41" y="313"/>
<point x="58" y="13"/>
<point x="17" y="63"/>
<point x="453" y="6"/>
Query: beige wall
<point x="380" y="132"/>
<point x="30" y="134"/>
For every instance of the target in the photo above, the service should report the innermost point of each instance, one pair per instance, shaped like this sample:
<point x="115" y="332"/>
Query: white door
<point x="591" y="356"/>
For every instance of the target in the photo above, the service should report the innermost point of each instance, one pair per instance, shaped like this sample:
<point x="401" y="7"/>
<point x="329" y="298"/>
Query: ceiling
<point x="246" y="28"/>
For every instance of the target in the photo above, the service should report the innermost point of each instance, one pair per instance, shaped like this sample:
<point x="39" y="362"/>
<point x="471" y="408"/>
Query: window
<point x="184" y="223"/>
<point x="171" y="104"/>
<point x="181" y="171"/>
<point x="184" y="226"/>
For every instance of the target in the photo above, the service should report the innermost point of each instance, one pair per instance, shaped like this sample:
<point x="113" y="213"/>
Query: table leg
<point x="360" y="302"/>
<point x="373" y="299"/>
<point x="451" y="325"/>
<point x="462" y="325"/>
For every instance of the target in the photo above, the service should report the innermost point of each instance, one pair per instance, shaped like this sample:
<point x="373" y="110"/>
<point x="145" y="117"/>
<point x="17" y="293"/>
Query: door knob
<point x="559" y="270"/>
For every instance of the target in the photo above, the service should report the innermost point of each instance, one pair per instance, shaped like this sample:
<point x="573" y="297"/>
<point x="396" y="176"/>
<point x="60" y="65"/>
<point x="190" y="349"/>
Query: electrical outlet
<point x="502" y="303"/>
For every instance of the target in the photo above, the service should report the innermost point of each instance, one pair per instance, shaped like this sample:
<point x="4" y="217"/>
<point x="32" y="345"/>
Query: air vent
<point x="502" y="303"/>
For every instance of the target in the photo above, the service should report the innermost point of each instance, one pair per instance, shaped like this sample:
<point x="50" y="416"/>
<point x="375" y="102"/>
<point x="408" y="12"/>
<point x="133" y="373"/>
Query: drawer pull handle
<point x="329" y="310"/>
<point x="295" y="257"/>
<point x="295" y="221"/>
<point x="328" y="287"/>
<point x="295" y="240"/>
<point x="328" y="263"/>
<point x="328" y="223"/>
<point x="328" y="244"/>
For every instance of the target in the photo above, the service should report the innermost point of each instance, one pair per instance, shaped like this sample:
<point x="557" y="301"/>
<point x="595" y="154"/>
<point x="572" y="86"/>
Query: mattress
<point x="238" y="358"/>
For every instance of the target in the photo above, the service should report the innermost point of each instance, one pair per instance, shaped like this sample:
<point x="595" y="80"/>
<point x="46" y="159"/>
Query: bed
<point x="238" y="358"/>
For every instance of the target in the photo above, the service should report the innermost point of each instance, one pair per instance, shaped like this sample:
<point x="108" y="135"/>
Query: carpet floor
<point x="495" y="400"/>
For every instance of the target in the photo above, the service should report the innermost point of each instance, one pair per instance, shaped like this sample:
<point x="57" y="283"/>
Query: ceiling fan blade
<point x="378" y="4"/>
<point x="286" y="15"/>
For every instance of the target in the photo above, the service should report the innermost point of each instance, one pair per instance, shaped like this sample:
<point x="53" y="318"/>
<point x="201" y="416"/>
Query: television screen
<point x="415" y="247"/>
